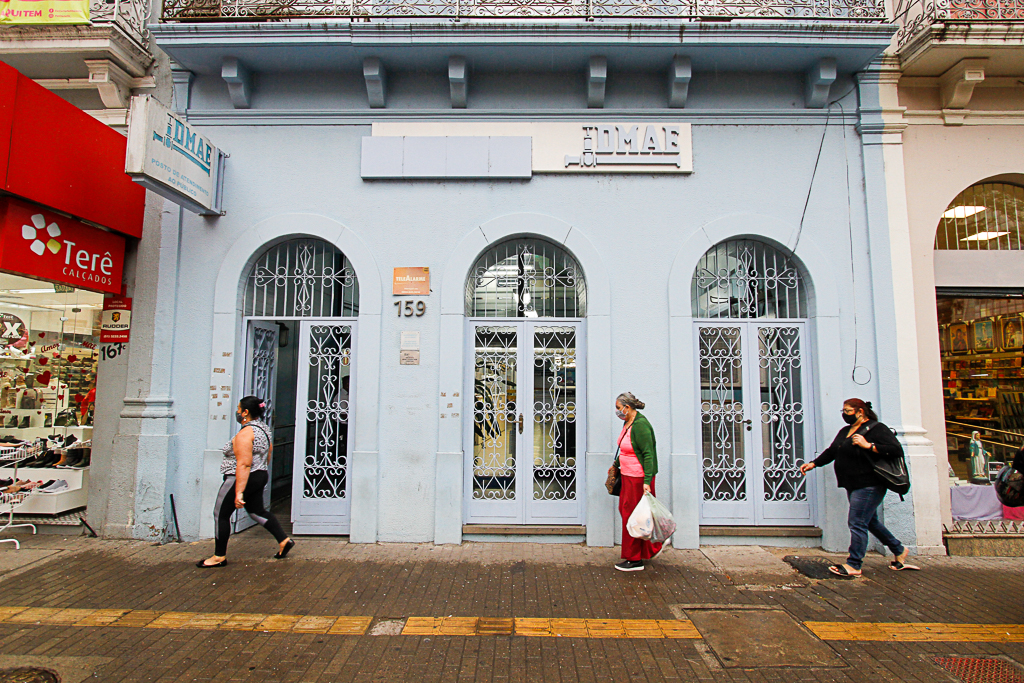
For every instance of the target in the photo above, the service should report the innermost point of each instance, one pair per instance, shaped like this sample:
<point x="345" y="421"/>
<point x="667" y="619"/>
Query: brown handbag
<point x="614" y="481"/>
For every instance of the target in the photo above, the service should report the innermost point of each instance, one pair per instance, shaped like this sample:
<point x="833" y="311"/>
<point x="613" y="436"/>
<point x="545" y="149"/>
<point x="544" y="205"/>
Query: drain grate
<point x="28" y="674"/>
<point x="978" y="670"/>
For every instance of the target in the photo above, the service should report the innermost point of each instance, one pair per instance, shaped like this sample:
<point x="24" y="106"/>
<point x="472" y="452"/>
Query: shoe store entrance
<point x="301" y="302"/>
<point x="755" y="423"/>
<point x="525" y="387"/>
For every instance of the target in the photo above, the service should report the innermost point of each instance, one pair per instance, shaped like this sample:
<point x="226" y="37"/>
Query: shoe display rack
<point x="75" y="496"/>
<point x="15" y="502"/>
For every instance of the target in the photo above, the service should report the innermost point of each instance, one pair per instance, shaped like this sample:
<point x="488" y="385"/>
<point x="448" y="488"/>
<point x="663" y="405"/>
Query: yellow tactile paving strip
<point x="550" y="628"/>
<point x="492" y="626"/>
<point x="917" y="632"/>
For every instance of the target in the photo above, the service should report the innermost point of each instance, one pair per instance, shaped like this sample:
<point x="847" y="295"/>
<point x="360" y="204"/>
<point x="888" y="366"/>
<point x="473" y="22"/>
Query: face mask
<point x="238" y="418"/>
<point x="849" y="419"/>
<point x="621" y="414"/>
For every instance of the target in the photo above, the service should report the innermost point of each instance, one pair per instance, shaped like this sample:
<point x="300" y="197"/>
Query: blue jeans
<point x="864" y="518"/>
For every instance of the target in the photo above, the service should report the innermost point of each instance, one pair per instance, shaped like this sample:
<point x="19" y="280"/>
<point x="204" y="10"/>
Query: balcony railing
<point x="221" y="10"/>
<point x="129" y="15"/>
<point x="915" y="16"/>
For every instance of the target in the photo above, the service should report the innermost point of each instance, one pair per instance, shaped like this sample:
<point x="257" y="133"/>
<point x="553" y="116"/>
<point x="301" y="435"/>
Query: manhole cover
<point x="978" y="670"/>
<point x="759" y="638"/>
<point x="28" y="674"/>
<point x="811" y="567"/>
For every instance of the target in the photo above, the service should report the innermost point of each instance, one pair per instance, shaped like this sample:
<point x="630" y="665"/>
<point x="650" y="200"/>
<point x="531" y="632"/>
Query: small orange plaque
<point x="411" y="281"/>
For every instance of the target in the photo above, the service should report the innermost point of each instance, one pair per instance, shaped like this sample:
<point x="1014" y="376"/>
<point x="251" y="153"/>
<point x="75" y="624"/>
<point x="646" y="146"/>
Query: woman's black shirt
<point x="854" y="467"/>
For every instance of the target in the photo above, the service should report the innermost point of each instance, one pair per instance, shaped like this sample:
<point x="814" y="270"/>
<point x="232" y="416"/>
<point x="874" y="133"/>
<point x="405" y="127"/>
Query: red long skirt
<point x="634" y="548"/>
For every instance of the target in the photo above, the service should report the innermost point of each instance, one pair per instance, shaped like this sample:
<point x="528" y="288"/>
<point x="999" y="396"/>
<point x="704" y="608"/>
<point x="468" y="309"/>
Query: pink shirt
<point x="629" y="465"/>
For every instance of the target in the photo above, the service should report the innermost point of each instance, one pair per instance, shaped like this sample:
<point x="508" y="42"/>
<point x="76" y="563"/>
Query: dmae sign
<point x="583" y="147"/>
<point x="167" y="156"/>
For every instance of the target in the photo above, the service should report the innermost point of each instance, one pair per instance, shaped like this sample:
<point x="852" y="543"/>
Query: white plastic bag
<point x="641" y="521"/>
<point x="664" y="524"/>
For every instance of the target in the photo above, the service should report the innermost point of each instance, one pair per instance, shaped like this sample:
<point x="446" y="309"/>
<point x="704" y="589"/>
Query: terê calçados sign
<point x="166" y="155"/>
<point x="42" y="244"/>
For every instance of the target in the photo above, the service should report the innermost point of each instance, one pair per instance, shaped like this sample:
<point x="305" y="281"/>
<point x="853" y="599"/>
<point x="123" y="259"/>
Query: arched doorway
<point x="525" y="304"/>
<point x="299" y="307"/>
<point x="979" y="269"/>
<point x="749" y="304"/>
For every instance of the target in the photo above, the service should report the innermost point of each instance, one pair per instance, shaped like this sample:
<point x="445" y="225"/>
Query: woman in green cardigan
<point x="638" y="463"/>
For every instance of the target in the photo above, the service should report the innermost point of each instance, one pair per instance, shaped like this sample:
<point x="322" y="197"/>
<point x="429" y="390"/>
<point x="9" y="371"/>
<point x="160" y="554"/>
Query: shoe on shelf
<point x="69" y="439"/>
<point x="11" y="423"/>
<point x="48" y="420"/>
<point x="54" y="487"/>
<point x="630" y="566"/>
<point x="24" y="422"/>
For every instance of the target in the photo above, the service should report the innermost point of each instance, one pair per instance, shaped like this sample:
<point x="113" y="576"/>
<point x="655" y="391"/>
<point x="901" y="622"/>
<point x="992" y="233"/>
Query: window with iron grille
<point x="747" y="279"/>
<point x="302" y="278"/>
<point x="984" y="217"/>
<point x="526" y="278"/>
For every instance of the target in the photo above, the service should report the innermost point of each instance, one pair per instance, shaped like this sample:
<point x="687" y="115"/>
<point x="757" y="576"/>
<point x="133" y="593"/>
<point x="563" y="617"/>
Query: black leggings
<point x="253" y="505"/>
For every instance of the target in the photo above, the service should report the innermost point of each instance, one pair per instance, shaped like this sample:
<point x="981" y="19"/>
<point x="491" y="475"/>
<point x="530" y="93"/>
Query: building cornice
<point x="601" y="32"/>
<point x="706" y="117"/>
<point x="98" y="38"/>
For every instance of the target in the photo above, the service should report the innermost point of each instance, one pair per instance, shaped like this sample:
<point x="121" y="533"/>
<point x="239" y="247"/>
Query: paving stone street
<point x="127" y="611"/>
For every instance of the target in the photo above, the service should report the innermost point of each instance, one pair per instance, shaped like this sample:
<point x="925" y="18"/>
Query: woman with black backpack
<point x="854" y="450"/>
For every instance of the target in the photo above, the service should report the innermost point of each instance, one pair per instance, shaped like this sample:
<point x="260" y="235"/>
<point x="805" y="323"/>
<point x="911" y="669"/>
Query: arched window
<point x="747" y="279"/>
<point x="302" y="278"/>
<point x="526" y="278"/>
<point x="984" y="217"/>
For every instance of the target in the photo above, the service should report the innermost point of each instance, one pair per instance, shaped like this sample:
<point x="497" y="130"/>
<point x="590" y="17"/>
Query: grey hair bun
<point x="628" y="399"/>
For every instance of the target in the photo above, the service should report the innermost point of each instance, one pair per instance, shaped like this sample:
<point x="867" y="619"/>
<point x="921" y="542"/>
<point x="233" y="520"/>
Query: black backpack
<point x="893" y="473"/>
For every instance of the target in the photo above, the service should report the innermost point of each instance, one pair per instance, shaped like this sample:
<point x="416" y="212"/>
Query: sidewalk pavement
<point x="103" y="610"/>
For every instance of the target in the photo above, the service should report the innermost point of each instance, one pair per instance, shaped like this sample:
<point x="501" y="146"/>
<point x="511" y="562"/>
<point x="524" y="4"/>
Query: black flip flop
<point x="281" y="554"/>
<point x="841" y="571"/>
<point x="202" y="564"/>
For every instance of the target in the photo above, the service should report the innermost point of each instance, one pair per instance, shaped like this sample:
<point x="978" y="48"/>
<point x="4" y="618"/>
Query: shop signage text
<point x="42" y="244"/>
<point x="116" y="322"/>
<point x="44" y="11"/>
<point x="14" y="332"/>
<point x="411" y="282"/>
<point x="167" y="156"/>
<point x="579" y="147"/>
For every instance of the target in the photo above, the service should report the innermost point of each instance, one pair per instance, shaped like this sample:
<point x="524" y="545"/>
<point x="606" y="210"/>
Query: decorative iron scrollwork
<point x="782" y="415"/>
<point x="747" y="279"/>
<point x="495" y="412"/>
<point x="554" y="413"/>
<point x="721" y="413"/>
<point x="526" y="278"/>
<point x="302" y="278"/>
<point x="325" y="466"/>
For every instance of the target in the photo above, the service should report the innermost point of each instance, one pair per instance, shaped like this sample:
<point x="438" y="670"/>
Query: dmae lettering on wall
<point x="166" y="155"/>
<point x="583" y="147"/>
<point x="42" y="244"/>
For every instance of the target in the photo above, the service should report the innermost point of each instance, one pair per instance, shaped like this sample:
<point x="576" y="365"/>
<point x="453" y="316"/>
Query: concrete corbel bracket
<point x="181" y="79"/>
<point x="458" y="79"/>
<point x="239" y="80"/>
<point x="956" y="86"/>
<point x="819" y="82"/>
<point x="113" y="83"/>
<point x="376" y="82"/>
<point x="679" y="75"/>
<point x="597" y="77"/>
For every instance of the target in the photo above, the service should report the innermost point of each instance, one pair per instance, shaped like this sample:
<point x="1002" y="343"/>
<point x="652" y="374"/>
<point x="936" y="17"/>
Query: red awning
<point x="55" y="154"/>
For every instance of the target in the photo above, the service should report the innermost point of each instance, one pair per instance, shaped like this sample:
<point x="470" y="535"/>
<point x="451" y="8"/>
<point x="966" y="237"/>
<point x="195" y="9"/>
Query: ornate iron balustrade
<point x="219" y="10"/>
<point x="129" y="15"/>
<point x="915" y="16"/>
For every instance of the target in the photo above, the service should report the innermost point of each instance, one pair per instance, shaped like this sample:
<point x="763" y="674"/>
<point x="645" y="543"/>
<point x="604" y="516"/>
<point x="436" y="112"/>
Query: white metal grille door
<point x="525" y="440"/>
<point x="320" y="485"/>
<point x="260" y="380"/>
<point x="751" y="374"/>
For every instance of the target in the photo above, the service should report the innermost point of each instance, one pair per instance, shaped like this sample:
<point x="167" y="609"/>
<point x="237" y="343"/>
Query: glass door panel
<point x="724" y="426"/>
<point x="497" y="424"/>
<point x="555" y="383"/>
<point x="780" y="369"/>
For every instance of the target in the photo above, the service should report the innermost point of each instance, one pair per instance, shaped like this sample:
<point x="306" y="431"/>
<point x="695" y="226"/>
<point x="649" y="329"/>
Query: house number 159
<point x="407" y="309"/>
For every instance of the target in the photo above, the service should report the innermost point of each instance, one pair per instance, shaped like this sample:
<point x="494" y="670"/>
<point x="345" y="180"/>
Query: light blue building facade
<point x="691" y="210"/>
